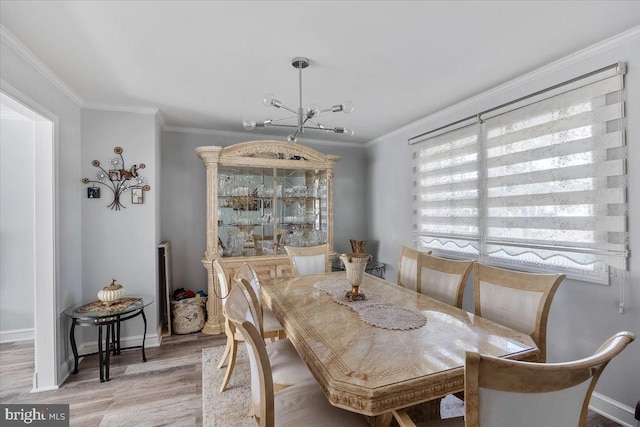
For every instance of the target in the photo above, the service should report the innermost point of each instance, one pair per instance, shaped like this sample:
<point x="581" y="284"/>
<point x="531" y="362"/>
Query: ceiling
<point x="208" y="64"/>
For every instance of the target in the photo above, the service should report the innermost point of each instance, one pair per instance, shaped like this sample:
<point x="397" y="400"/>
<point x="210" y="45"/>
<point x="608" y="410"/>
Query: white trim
<point x="250" y="136"/>
<point x="161" y="119"/>
<point x="15" y="335"/>
<point x="612" y="409"/>
<point x="41" y="389"/>
<point x="121" y="108"/>
<point x="532" y="76"/>
<point x="18" y="47"/>
<point x="46" y="325"/>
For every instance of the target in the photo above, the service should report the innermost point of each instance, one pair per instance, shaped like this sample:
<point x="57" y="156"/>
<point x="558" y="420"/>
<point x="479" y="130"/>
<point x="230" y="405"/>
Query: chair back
<point x="309" y="260"/>
<point x="506" y="393"/>
<point x="516" y="299"/>
<point x="239" y="312"/>
<point x="221" y="276"/>
<point x="443" y="279"/>
<point x="247" y="278"/>
<point x="408" y="268"/>
<point x="249" y="274"/>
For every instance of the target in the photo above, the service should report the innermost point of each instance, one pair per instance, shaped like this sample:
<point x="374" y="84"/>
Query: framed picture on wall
<point x="136" y="195"/>
<point x="93" y="192"/>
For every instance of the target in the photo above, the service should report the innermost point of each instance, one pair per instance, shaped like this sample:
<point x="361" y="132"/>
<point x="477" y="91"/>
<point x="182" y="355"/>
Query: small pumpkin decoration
<point x="110" y="294"/>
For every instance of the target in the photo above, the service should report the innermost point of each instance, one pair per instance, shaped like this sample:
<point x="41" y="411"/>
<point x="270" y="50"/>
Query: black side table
<point x="376" y="268"/>
<point x="110" y="318"/>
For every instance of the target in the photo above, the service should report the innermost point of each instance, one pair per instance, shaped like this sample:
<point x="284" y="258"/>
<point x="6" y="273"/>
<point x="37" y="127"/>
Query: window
<point x="537" y="184"/>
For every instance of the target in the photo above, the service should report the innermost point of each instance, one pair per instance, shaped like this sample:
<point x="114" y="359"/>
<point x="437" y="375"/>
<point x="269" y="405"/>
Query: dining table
<point x="395" y="349"/>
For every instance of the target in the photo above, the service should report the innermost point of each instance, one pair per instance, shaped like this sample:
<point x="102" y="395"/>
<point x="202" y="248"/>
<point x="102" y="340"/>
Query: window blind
<point x="446" y="190"/>
<point x="538" y="183"/>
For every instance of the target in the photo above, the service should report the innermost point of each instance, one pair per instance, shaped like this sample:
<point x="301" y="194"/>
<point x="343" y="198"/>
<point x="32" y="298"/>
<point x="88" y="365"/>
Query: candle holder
<point x="354" y="264"/>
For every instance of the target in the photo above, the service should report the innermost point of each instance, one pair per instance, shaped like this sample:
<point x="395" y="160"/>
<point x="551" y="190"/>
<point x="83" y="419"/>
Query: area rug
<point x="232" y="407"/>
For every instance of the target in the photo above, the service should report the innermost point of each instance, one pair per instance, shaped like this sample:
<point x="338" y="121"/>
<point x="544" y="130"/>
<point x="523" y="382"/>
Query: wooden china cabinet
<point x="261" y="196"/>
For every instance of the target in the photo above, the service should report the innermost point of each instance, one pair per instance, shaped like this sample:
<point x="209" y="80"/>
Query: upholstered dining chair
<point x="298" y="405"/>
<point x="516" y="299"/>
<point x="287" y="368"/>
<point x="271" y="328"/>
<point x="443" y="279"/>
<point x="506" y="393"/>
<point x="309" y="260"/>
<point x="289" y="365"/>
<point x="408" y="268"/>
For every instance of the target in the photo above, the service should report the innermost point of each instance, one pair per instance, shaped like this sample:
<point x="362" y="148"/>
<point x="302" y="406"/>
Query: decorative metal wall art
<point x="119" y="180"/>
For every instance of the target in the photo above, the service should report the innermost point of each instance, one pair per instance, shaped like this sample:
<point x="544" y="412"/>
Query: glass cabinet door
<point x="260" y="210"/>
<point x="301" y="208"/>
<point x="245" y="210"/>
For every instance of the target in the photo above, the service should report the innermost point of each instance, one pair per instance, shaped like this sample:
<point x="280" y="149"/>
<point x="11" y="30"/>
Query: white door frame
<point x="46" y="322"/>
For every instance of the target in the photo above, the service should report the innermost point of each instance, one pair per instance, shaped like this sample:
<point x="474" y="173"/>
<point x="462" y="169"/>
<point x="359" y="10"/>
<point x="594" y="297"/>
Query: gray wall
<point x="582" y="315"/>
<point x="17" y="269"/>
<point x="183" y="208"/>
<point x="120" y="244"/>
<point x="19" y="76"/>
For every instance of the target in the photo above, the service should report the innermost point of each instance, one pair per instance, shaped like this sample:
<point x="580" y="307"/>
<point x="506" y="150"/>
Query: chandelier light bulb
<point x="347" y="107"/>
<point x="249" y="124"/>
<point x="291" y="138"/>
<point x="313" y="110"/>
<point x="345" y="131"/>
<point x="268" y="99"/>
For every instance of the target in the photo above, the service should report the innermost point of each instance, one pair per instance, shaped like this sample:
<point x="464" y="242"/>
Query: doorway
<point x="27" y="226"/>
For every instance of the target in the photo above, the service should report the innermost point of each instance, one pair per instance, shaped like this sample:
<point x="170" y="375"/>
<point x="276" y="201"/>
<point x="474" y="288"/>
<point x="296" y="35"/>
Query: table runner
<point x="373" y="310"/>
<point x="115" y="306"/>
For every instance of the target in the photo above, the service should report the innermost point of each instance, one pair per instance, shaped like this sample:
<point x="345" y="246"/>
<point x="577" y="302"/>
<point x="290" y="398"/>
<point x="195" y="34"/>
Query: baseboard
<point x="17" y="335"/>
<point x="151" y="341"/>
<point x="41" y="389"/>
<point x="612" y="409"/>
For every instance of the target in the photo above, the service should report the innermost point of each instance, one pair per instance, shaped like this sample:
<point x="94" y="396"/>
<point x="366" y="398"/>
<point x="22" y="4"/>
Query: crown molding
<point x="574" y="58"/>
<point x="121" y="108"/>
<point x="18" y="47"/>
<point x="28" y="103"/>
<point x="245" y="136"/>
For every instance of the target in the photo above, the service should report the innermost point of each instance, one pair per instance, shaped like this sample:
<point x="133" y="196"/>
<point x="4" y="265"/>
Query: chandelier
<point x="306" y="118"/>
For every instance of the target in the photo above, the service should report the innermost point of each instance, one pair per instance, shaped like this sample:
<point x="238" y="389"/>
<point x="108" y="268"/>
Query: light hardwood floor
<point x="164" y="391"/>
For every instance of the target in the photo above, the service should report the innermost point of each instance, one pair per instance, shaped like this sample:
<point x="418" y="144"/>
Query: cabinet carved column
<point x="215" y="320"/>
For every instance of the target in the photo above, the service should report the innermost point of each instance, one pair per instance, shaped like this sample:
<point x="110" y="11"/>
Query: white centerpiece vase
<point x="355" y="264"/>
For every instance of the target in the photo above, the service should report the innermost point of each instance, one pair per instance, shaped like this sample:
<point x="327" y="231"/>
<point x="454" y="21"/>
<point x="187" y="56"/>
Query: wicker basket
<point x="188" y="315"/>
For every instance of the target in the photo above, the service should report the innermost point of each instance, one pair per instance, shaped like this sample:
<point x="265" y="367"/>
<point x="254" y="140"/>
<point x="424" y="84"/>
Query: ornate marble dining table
<point x="372" y="370"/>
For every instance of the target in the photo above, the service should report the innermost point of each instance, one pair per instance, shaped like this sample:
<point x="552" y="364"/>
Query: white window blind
<point x="446" y="190"/>
<point x="540" y="184"/>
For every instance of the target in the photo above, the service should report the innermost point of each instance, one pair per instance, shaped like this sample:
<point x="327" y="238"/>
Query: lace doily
<point x="338" y="288"/>
<point x="373" y="310"/>
<point x="333" y="286"/>
<point x="391" y="317"/>
<point x="371" y="299"/>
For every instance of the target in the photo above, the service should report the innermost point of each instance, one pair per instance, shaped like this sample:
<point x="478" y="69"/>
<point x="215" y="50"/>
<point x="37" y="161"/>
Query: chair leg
<point x="227" y="349"/>
<point x="230" y="366"/>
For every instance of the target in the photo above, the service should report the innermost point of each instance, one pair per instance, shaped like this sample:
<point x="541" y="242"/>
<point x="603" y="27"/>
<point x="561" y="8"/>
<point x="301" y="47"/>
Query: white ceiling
<point x="207" y="64"/>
